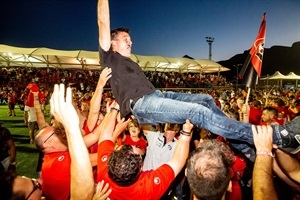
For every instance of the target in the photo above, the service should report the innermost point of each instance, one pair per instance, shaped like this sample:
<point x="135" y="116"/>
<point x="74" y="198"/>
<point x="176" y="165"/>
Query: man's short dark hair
<point x="124" y="166"/>
<point x="208" y="170"/>
<point x="279" y="102"/>
<point x="115" y="32"/>
<point x="256" y="103"/>
<point x="227" y="103"/>
<point x="272" y="110"/>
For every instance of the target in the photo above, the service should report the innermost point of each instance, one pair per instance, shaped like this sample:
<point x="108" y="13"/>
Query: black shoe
<point x="290" y="135"/>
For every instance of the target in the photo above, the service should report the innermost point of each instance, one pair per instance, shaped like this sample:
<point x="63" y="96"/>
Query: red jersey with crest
<point x="56" y="175"/>
<point x="150" y="185"/>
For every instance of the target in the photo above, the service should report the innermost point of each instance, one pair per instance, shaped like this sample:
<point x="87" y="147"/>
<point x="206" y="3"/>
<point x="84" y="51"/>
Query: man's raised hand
<point x="62" y="108"/>
<point x="104" y="76"/>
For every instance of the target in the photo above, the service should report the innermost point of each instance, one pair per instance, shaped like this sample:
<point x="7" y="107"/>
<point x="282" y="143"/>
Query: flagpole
<point x="248" y="94"/>
<point x="245" y="109"/>
<point x="270" y="90"/>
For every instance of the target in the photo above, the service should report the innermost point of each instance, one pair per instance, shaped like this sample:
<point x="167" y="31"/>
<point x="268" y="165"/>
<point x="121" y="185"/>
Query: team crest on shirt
<point x="104" y="158"/>
<point x="284" y="132"/>
<point x="61" y="158"/>
<point x="157" y="180"/>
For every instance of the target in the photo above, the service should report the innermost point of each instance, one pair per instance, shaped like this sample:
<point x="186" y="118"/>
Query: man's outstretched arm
<point x="104" y="24"/>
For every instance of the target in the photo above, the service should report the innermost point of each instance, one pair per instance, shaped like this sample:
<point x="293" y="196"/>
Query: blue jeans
<point x="201" y="110"/>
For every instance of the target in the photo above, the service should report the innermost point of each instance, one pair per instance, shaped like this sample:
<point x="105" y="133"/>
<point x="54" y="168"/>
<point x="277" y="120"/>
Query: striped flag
<point x="251" y="69"/>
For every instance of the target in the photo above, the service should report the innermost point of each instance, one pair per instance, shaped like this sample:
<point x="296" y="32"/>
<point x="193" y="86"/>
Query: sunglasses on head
<point x="48" y="137"/>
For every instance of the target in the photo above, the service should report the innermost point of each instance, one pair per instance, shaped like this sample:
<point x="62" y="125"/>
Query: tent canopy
<point x="278" y="76"/>
<point x="79" y="59"/>
<point x="293" y="76"/>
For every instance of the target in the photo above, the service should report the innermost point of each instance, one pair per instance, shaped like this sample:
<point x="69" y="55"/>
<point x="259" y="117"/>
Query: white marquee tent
<point x="278" y="76"/>
<point x="292" y="76"/>
<point x="11" y="56"/>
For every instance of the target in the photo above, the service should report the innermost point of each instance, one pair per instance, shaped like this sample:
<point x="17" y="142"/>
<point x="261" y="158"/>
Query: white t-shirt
<point x="31" y="113"/>
<point x="157" y="153"/>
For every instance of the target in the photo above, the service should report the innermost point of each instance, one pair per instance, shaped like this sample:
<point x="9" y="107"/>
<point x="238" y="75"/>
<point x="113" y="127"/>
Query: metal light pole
<point x="209" y="40"/>
<point x="237" y="75"/>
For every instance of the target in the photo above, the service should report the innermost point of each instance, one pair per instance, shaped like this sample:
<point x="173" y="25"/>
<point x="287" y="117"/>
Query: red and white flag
<point x="251" y="69"/>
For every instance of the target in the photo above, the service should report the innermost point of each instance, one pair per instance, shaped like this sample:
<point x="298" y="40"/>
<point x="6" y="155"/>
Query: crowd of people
<point x="136" y="142"/>
<point x="155" y="146"/>
<point x="13" y="80"/>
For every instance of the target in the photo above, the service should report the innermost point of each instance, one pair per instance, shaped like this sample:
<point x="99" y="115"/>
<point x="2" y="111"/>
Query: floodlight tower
<point x="209" y="40"/>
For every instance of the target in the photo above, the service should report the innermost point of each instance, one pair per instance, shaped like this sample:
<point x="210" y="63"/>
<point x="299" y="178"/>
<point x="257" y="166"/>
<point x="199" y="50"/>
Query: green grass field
<point x="27" y="154"/>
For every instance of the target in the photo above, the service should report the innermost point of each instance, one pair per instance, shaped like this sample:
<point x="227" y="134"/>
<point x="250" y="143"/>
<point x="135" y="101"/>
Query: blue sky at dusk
<point x="170" y="28"/>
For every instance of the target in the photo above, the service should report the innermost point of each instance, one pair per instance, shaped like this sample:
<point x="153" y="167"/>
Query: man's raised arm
<point x="107" y="125"/>
<point x="182" y="148"/>
<point x="40" y="118"/>
<point x="263" y="186"/>
<point x="96" y="99"/>
<point x="82" y="183"/>
<point x="104" y="24"/>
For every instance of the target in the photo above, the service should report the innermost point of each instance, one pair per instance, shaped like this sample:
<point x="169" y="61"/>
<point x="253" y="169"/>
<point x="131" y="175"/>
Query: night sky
<point x="172" y="28"/>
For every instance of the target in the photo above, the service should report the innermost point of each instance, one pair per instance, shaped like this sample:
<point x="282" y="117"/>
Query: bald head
<point x="50" y="139"/>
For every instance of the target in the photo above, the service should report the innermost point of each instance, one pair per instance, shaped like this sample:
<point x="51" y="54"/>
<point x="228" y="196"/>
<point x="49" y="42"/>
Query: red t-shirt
<point x="236" y="172"/>
<point x="12" y="99"/>
<point x="279" y="121"/>
<point x="255" y="116"/>
<point x="141" y="143"/>
<point x="292" y="114"/>
<point x="94" y="147"/>
<point x="218" y="103"/>
<point x="42" y="97"/>
<point x="56" y="175"/>
<point x="236" y="191"/>
<point x="150" y="185"/>
<point x="237" y="168"/>
<point x="282" y="111"/>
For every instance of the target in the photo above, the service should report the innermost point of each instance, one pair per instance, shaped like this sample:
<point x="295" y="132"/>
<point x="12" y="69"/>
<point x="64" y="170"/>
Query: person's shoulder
<point x="4" y="132"/>
<point x="165" y="170"/>
<point x="153" y="134"/>
<point x="106" y="145"/>
<point x="102" y="51"/>
<point x="156" y="133"/>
